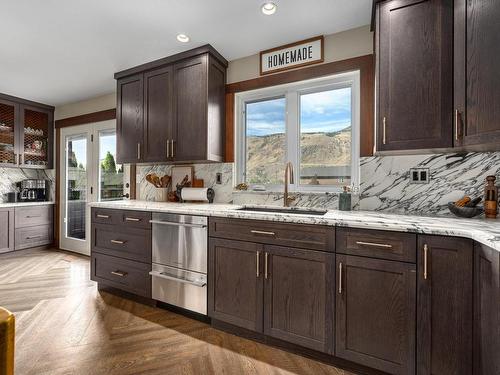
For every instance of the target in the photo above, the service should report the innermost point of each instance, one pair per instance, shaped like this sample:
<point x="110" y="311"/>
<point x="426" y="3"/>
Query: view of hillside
<point x="325" y="157"/>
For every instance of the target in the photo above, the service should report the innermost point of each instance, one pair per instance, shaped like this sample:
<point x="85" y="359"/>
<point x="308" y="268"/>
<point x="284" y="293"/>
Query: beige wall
<point x="99" y="103"/>
<point x="339" y="46"/>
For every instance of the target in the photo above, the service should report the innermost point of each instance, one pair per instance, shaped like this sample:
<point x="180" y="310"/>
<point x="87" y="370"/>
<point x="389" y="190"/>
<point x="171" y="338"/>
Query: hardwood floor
<point x="65" y="326"/>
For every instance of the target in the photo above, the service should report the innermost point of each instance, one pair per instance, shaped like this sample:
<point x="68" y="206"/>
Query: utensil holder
<point x="162" y="194"/>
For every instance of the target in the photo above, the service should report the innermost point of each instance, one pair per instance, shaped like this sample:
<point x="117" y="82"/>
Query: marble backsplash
<point x="384" y="186"/>
<point x="9" y="177"/>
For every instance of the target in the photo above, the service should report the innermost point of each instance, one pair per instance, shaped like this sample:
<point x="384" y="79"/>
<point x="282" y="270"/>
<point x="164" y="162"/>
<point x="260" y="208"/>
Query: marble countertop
<point x="23" y="204"/>
<point x="485" y="231"/>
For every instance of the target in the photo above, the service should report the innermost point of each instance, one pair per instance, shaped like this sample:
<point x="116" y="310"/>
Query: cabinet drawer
<point x="31" y="216"/>
<point x="33" y="236"/>
<point x="124" y="218"/>
<point x="377" y="244"/>
<point x="122" y="274"/>
<point x="314" y="237"/>
<point x="129" y="243"/>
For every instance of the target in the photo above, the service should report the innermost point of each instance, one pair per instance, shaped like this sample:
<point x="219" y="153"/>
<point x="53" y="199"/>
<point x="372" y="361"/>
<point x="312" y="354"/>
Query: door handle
<point x="383" y="130"/>
<point x="426" y="251"/>
<point x="138" y="151"/>
<point x="168" y="148"/>
<point x="132" y="219"/>
<point x="173" y="148"/>
<point x="263" y="232"/>
<point x="374" y="244"/>
<point x="162" y="275"/>
<point x="340" y="278"/>
<point x="265" y="265"/>
<point x="171" y="223"/>
<point x="102" y="216"/>
<point x="118" y="242"/>
<point x="258" y="265"/>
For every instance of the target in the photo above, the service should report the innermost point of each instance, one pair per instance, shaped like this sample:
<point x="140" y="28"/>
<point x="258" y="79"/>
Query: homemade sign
<point x="290" y="56"/>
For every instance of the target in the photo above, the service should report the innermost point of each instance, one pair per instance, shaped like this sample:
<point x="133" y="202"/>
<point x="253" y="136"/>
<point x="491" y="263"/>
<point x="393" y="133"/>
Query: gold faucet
<point x="288" y="179"/>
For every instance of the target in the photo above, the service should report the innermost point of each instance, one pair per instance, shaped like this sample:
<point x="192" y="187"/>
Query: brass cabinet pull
<point x="383" y="130"/>
<point x="118" y="242"/>
<point x="340" y="278"/>
<point x="265" y="265"/>
<point x="168" y="148"/>
<point x="103" y="216"/>
<point x="374" y="244"/>
<point x="132" y="219"/>
<point x="263" y="232"/>
<point x="119" y="273"/>
<point x="426" y="250"/>
<point x="258" y="265"/>
<point x="138" y="151"/>
<point x="458" y="124"/>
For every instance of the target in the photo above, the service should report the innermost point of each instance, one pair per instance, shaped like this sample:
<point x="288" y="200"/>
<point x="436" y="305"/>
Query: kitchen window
<point x="314" y="124"/>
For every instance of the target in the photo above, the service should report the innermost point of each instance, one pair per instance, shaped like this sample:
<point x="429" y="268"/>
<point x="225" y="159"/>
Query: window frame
<point x="292" y="92"/>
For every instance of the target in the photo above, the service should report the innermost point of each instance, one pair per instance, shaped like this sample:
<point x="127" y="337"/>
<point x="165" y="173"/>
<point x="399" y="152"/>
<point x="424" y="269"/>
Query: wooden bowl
<point x="467" y="212"/>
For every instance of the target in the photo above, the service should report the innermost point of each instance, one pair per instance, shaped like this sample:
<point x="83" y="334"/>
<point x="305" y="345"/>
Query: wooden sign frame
<point x="316" y="38"/>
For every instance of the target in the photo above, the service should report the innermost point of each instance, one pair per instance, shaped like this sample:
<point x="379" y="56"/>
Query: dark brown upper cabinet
<point x="172" y="110"/>
<point x="477" y="78"/>
<point x="414" y="50"/>
<point x="26" y="133"/>
<point x="444" y="305"/>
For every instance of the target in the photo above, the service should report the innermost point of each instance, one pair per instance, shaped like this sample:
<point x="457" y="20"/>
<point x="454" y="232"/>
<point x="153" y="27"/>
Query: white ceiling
<point x="61" y="51"/>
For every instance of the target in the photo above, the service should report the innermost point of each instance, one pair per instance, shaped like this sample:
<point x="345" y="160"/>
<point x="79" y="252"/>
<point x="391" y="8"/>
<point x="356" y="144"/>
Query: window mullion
<point x="293" y="134"/>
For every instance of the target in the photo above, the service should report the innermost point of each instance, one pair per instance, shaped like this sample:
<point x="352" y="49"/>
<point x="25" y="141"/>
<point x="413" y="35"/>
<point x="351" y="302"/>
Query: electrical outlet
<point x="218" y="178"/>
<point x="419" y="175"/>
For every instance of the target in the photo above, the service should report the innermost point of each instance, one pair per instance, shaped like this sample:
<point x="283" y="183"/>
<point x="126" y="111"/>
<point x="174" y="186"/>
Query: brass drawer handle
<point x="118" y="242"/>
<point x="374" y="244"/>
<point x="426" y="250"/>
<point x="340" y="278"/>
<point x="263" y="232"/>
<point x="119" y="273"/>
<point x="132" y="219"/>
<point x="102" y="216"/>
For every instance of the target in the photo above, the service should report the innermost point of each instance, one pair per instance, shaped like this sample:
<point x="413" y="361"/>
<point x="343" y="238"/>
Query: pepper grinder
<point x="490" y="198"/>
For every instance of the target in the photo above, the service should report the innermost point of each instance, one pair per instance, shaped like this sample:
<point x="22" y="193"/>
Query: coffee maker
<point x="33" y="190"/>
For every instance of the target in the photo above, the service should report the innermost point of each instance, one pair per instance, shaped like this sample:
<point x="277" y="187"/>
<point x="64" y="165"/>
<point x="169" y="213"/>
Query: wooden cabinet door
<point x="129" y="119"/>
<point x="158" y="102"/>
<point x="190" y="114"/>
<point x="298" y="296"/>
<point x="235" y="288"/>
<point x="36" y="137"/>
<point x="477" y="58"/>
<point x="444" y="306"/>
<point x="6" y="230"/>
<point x="9" y="133"/>
<point x="415" y="74"/>
<point x="486" y="310"/>
<point x="375" y="308"/>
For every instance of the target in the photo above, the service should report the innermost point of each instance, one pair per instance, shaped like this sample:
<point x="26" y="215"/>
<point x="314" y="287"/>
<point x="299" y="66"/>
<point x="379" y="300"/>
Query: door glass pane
<point x="325" y="137"/>
<point x="36" y="137"/>
<point x="265" y="141"/>
<point x="7" y="113"/>
<point x="76" y="185"/>
<point x="110" y="173"/>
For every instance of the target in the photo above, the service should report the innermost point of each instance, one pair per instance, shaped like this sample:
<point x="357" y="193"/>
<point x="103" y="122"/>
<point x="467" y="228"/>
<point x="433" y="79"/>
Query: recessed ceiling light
<point x="183" y="38"/>
<point x="268" y="8"/>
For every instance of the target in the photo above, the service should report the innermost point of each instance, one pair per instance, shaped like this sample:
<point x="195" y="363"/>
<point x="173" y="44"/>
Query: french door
<point x="89" y="173"/>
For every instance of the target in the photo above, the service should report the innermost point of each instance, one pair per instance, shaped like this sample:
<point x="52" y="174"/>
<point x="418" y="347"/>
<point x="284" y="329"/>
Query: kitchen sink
<point x="296" y="211"/>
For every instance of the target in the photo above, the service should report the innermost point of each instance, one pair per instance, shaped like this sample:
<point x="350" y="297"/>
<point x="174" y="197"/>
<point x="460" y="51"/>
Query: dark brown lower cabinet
<point x="235" y="292"/>
<point x="486" y="310"/>
<point x="299" y="297"/>
<point x="375" y="313"/>
<point x="444" y="306"/>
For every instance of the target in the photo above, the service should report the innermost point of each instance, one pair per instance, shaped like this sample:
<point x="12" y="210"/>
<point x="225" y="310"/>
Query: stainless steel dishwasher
<point x="179" y="273"/>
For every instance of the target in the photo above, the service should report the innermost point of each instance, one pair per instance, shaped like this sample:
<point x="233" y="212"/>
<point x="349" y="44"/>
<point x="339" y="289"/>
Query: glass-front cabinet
<point x="35" y="137"/>
<point x="26" y="134"/>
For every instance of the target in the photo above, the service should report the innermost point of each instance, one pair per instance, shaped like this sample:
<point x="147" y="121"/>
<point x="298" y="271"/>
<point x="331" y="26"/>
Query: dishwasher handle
<point x="173" y="223"/>
<point x="162" y="275"/>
